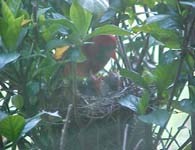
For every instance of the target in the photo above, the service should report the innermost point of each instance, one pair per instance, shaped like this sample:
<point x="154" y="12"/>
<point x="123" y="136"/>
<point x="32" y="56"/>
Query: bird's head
<point x="106" y="44"/>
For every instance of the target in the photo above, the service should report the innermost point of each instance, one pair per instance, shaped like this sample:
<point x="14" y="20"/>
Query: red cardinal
<point x="98" y="53"/>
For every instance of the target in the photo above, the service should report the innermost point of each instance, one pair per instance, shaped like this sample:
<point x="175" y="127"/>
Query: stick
<point x="125" y="137"/>
<point x="63" y="135"/>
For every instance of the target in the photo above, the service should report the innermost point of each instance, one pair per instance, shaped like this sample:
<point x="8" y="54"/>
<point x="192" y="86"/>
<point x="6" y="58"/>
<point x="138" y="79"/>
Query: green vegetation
<point x="127" y="105"/>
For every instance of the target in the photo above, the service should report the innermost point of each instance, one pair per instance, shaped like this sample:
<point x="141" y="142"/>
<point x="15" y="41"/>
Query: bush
<point x="125" y="105"/>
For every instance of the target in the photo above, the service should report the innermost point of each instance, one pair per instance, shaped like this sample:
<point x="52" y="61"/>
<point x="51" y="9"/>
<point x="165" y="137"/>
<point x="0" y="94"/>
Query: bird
<point x="98" y="51"/>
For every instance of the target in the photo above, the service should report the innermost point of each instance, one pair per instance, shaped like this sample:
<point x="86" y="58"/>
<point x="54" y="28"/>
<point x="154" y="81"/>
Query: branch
<point x="63" y="135"/>
<point x="125" y="137"/>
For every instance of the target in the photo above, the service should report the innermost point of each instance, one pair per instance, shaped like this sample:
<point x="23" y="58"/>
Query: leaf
<point x="187" y="3"/>
<point x="42" y="11"/>
<point x="14" y="6"/>
<point x="97" y="7"/>
<point x="81" y="18"/>
<point x="30" y="124"/>
<point x="135" y="77"/>
<point x="164" y="75"/>
<point x="185" y="105"/>
<point x="7" y="58"/>
<point x="158" y="117"/>
<point x="163" y="28"/>
<point x="17" y="101"/>
<point x="130" y="102"/>
<point x="157" y="18"/>
<point x="10" y="32"/>
<point x="33" y="122"/>
<point x="49" y="32"/>
<point x="108" y="29"/>
<point x="12" y="126"/>
<point x="10" y="27"/>
<point x="143" y="103"/>
<point x="6" y="12"/>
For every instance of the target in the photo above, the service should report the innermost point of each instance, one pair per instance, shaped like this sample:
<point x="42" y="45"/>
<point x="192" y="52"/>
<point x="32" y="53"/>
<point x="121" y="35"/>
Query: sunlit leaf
<point x="30" y="124"/>
<point x="12" y="126"/>
<point x="6" y="12"/>
<point x="81" y="18"/>
<point x="7" y="58"/>
<point x="14" y="6"/>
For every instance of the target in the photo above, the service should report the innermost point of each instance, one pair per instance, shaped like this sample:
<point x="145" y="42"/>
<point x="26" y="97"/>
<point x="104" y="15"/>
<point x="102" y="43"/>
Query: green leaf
<point x="14" y="6"/>
<point x="164" y="75"/>
<point x="143" y="103"/>
<point x="169" y="38"/>
<point x="135" y="77"/>
<point x="50" y="32"/>
<point x="109" y="29"/>
<point x="81" y="18"/>
<point x="163" y="28"/>
<point x="6" y="12"/>
<point x="11" y="127"/>
<point x="17" y="101"/>
<point x="52" y="26"/>
<point x="10" y="32"/>
<point x="10" y="27"/>
<point x="7" y="58"/>
<point x="130" y="102"/>
<point x="158" y="117"/>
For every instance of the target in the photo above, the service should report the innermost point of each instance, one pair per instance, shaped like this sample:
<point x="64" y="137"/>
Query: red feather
<point x="98" y="52"/>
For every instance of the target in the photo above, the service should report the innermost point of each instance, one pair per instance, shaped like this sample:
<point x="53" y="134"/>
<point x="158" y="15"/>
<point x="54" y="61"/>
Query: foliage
<point x="155" y="59"/>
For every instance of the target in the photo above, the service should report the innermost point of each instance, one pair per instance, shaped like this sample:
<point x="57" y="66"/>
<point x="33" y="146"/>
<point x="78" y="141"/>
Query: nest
<point x="101" y="106"/>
